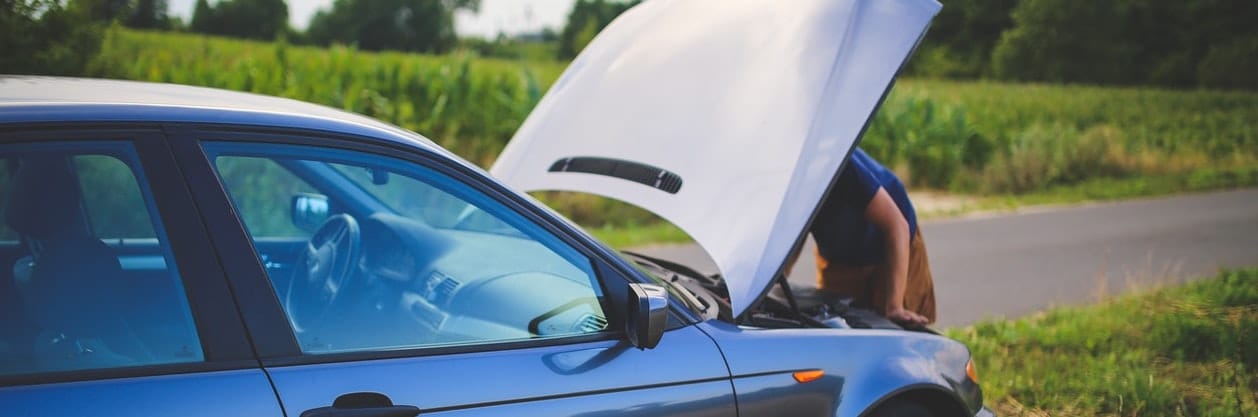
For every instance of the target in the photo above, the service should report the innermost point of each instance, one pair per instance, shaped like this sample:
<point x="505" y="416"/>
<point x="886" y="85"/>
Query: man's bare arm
<point x="883" y="213"/>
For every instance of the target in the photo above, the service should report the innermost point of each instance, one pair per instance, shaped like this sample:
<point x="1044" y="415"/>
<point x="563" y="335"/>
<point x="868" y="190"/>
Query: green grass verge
<point x="1188" y="350"/>
<point x="1110" y="189"/>
<point x="1102" y="189"/>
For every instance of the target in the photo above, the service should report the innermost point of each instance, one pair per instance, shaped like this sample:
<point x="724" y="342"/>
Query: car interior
<point x="71" y="300"/>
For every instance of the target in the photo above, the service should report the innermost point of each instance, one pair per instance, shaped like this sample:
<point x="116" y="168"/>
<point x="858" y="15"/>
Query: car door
<point x="113" y="301"/>
<point x="425" y="288"/>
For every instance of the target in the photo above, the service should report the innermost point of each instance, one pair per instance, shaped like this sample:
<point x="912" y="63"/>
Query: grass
<point x="1107" y="189"/>
<point x="1102" y="189"/>
<point x="1003" y="138"/>
<point x="1189" y="350"/>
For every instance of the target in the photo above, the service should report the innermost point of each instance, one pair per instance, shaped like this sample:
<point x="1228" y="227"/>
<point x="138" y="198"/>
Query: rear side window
<point x="111" y="196"/>
<point x="87" y="278"/>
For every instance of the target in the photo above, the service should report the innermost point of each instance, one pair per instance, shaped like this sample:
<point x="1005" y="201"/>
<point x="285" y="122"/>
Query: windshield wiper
<point x="677" y="285"/>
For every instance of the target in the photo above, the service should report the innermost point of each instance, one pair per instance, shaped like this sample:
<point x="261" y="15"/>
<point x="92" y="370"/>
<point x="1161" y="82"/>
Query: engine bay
<point x="782" y="307"/>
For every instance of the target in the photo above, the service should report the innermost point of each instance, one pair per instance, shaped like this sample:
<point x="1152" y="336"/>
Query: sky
<point x="507" y="16"/>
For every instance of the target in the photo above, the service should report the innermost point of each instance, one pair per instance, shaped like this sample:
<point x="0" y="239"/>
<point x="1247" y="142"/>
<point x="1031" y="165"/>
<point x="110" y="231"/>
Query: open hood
<point x="728" y="118"/>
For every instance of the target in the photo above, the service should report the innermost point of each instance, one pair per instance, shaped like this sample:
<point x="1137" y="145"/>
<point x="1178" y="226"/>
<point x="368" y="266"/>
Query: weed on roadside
<point x="1183" y="350"/>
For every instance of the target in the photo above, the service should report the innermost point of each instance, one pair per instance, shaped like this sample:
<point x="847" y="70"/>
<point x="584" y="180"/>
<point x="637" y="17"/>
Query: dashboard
<point x="447" y="286"/>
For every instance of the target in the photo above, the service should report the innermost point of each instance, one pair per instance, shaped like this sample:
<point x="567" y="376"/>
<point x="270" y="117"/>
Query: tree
<point x="149" y="14"/>
<point x="47" y="36"/>
<point x="548" y="34"/>
<point x="587" y="18"/>
<point x="404" y="25"/>
<point x="203" y="19"/>
<point x="961" y="38"/>
<point x="253" y="19"/>
<point x="105" y="10"/>
<point x="1067" y="41"/>
<point x="1179" y="44"/>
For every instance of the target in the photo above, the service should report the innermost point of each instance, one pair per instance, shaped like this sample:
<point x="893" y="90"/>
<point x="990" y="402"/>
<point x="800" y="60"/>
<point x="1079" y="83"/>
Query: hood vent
<point x="640" y="173"/>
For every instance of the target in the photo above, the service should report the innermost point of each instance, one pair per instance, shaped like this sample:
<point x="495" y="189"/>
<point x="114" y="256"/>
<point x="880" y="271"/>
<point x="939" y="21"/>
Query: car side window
<point x="88" y="281"/>
<point x="111" y="197"/>
<point x="403" y="256"/>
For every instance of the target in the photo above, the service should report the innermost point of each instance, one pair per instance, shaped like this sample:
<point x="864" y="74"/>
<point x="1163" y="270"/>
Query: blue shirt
<point x="842" y="233"/>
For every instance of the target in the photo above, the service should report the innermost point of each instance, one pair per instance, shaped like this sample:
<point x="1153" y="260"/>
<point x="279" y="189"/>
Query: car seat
<point x="70" y="282"/>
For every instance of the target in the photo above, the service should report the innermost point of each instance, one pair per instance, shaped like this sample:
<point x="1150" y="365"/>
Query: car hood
<point x="728" y="118"/>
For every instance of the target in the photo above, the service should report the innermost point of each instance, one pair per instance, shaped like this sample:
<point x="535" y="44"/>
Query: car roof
<point x="36" y="99"/>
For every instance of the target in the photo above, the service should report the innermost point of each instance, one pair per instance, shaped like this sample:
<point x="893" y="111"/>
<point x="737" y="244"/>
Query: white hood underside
<point x="728" y="118"/>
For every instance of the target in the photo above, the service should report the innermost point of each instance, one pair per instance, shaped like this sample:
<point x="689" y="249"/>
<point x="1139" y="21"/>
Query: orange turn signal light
<point x="970" y="371"/>
<point x="808" y="376"/>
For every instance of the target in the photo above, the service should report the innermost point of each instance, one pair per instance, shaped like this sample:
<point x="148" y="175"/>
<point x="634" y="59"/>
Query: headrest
<point x="43" y="200"/>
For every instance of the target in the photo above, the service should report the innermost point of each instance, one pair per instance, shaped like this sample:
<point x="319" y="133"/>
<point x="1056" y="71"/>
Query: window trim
<point x="271" y="313"/>
<point x="213" y="311"/>
<point x="263" y="317"/>
<point x="85" y="375"/>
<point x="438" y="350"/>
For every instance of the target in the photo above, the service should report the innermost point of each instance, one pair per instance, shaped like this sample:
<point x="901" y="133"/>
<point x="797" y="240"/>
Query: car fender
<point x="862" y="368"/>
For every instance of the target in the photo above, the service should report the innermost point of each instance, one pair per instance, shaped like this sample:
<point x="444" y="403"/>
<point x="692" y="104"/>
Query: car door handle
<point x="363" y="404"/>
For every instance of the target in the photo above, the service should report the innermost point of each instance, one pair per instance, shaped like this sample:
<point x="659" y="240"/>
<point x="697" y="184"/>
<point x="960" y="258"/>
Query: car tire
<point x="899" y="408"/>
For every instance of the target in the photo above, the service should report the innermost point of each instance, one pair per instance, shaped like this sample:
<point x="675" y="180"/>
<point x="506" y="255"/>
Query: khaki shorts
<point x="867" y="285"/>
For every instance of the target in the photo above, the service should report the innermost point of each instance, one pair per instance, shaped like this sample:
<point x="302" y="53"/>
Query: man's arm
<point x="886" y="216"/>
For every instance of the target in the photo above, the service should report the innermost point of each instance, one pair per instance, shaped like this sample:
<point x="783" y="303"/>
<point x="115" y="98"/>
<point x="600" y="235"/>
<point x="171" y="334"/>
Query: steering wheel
<point x="328" y="261"/>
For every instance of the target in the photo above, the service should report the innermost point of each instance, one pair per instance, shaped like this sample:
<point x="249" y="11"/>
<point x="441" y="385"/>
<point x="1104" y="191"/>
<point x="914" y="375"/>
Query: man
<point x="869" y="246"/>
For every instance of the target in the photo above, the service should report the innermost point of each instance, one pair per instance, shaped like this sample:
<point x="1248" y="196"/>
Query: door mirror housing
<point x="648" y="315"/>
<point x="309" y="211"/>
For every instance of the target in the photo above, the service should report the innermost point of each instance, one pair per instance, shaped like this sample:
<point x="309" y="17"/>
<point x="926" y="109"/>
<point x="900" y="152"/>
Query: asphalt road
<point x="1013" y="265"/>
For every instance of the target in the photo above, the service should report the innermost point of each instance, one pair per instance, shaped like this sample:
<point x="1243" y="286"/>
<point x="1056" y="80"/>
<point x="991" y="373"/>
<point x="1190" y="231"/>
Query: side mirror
<point x="648" y="315"/>
<point x="309" y="211"/>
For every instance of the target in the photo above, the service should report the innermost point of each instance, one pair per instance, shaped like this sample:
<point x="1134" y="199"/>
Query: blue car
<point x="182" y="251"/>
